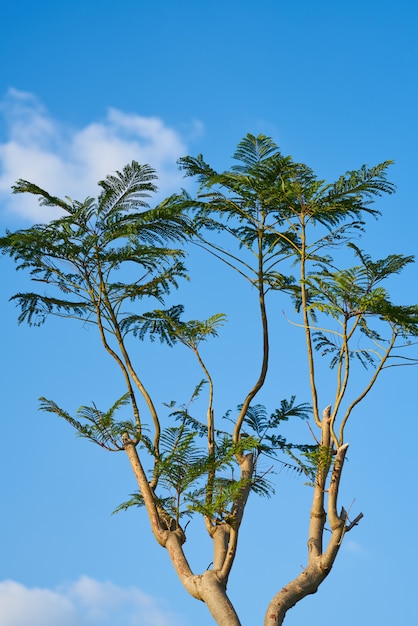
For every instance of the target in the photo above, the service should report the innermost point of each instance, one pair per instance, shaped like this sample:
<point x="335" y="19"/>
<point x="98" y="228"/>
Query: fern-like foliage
<point x="100" y="427"/>
<point x="356" y="298"/>
<point x="266" y="198"/>
<point x="193" y="481"/>
<point x="169" y="328"/>
<point x="273" y="444"/>
<point x="79" y="252"/>
<point x="182" y="467"/>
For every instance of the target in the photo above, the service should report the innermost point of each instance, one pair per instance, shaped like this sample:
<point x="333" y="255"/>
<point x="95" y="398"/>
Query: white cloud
<point x="69" y="161"/>
<point x="86" y="602"/>
<point x="352" y="546"/>
<point x="39" y="607"/>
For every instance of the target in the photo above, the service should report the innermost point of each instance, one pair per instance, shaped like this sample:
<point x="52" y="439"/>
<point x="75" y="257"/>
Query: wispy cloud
<point x="86" y="602"/>
<point x="353" y="547"/>
<point x="69" y="161"/>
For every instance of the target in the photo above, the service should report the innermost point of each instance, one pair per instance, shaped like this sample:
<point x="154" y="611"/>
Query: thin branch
<point x="308" y="337"/>
<point x="367" y="388"/>
<point x="207" y="246"/>
<point x="354" y="522"/>
<point x="265" y="333"/>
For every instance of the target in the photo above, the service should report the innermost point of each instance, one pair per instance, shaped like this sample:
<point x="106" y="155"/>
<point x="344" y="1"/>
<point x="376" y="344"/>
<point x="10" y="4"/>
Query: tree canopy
<point x="113" y="262"/>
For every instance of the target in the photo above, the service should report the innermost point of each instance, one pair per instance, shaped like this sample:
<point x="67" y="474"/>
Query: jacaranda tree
<point x="112" y="262"/>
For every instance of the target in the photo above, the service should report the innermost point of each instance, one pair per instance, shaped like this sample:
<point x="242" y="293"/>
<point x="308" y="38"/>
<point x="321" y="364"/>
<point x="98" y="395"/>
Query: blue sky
<point x="86" y="87"/>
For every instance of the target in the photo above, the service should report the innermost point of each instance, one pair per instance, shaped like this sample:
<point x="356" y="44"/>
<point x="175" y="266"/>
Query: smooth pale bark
<point x="214" y="595"/>
<point x="209" y="587"/>
<point x="221" y="536"/>
<point x="320" y="562"/>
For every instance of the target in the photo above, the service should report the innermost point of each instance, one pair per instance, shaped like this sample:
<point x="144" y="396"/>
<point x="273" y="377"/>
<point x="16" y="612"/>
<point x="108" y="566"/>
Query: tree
<point x="287" y="234"/>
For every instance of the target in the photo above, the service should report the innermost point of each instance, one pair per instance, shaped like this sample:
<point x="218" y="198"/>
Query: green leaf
<point x="98" y="426"/>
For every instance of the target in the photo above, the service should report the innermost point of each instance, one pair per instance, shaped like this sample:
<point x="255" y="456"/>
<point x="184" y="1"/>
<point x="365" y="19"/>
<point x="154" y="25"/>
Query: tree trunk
<point x="213" y="594"/>
<point x="206" y="587"/>
<point x="320" y="561"/>
<point x="303" y="585"/>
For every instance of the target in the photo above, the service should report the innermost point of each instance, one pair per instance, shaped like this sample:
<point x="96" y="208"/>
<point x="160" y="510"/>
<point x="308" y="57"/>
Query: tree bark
<point x="303" y="585"/>
<point x="213" y="593"/>
<point x="320" y="561"/>
<point x="208" y="587"/>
